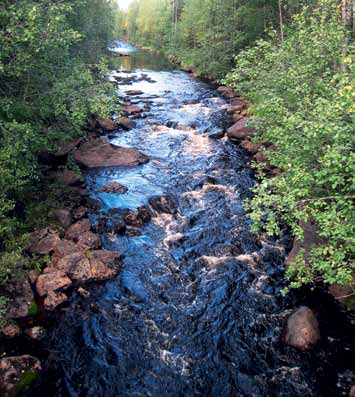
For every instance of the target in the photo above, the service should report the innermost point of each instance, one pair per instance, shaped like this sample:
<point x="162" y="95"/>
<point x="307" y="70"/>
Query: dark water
<point x="189" y="314"/>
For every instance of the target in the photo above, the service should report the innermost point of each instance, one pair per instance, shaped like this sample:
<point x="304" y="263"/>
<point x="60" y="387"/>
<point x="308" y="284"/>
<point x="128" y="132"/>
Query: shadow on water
<point x="196" y="309"/>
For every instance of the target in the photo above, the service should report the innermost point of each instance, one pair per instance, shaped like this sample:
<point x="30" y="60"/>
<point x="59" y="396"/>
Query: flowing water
<point x="196" y="309"/>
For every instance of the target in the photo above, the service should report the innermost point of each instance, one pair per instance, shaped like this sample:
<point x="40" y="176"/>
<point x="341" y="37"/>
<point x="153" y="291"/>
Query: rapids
<point x="196" y="309"/>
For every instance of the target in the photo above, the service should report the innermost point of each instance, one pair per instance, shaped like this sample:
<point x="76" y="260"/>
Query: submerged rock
<point x="17" y="374"/>
<point x="302" y="329"/>
<point x="163" y="204"/>
<point x="134" y="92"/>
<point x="132" y="109"/>
<point x="113" y="187"/>
<point x="100" y="153"/>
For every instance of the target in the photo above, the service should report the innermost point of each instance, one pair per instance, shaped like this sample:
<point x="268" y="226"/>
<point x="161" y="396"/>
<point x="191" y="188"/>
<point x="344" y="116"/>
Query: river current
<point x="196" y="309"/>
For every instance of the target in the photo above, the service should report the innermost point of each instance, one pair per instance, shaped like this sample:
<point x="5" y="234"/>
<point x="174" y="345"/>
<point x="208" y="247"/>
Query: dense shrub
<point x="303" y="98"/>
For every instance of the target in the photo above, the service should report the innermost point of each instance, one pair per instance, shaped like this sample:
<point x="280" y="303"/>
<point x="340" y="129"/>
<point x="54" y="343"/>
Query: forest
<point x="72" y="115"/>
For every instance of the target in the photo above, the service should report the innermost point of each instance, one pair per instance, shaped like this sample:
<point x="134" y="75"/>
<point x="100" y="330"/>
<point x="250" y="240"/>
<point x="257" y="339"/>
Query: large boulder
<point x="311" y="239"/>
<point x="100" y="153"/>
<point x="52" y="280"/>
<point x="17" y="374"/>
<point x="82" y="268"/>
<point x="69" y="178"/>
<point x="127" y="123"/>
<point x="89" y="240"/>
<point x="43" y="241"/>
<point x="302" y="329"/>
<point x="241" y="130"/>
<point x="250" y="146"/>
<point x="62" y="216"/>
<point x="53" y="300"/>
<point x="227" y="92"/>
<point x="107" y="124"/>
<point x="78" y="229"/>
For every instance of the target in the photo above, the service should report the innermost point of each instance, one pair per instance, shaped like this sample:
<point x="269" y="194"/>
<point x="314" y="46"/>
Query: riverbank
<point x="200" y="263"/>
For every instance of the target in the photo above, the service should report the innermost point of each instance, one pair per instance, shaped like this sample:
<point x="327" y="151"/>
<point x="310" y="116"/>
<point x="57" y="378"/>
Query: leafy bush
<point x="302" y="96"/>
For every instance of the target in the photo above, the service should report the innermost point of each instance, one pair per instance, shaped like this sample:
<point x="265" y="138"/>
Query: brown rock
<point x="68" y="147"/>
<point x="132" y="109"/>
<point x="62" y="216"/>
<point x="76" y="230"/>
<point x="127" y="123"/>
<point x="144" y="214"/>
<point x="21" y="299"/>
<point x="231" y="109"/>
<point x="82" y="268"/>
<point x="14" y="373"/>
<point x="236" y="117"/>
<point x="53" y="300"/>
<point x="302" y="329"/>
<point x="107" y="124"/>
<point x="310" y="239"/>
<point x="219" y="134"/>
<point x="352" y="391"/>
<point x="132" y="219"/>
<point x="10" y="330"/>
<point x="89" y="240"/>
<point x="100" y="153"/>
<point x="83" y="292"/>
<point x="43" y="241"/>
<point x="79" y="213"/>
<point x="63" y="248"/>
<point x="163" y="204"/>
<point x="250" y="146"/>
<point x="227" y="92"/>
<point x="69" y="178"/>
<point x="240" y="130"/>
<point x="108" y="258"/>
<point x="134" y="92"/>
<point x="343" y="293"/>
<point x="53" y="280"/>
<point x="260" y="158"/>
<point x="36" y="333"/>
<point x="114" y="187"/>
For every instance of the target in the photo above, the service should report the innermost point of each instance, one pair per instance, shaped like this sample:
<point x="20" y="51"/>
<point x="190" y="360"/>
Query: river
<point x="189" y="314"/>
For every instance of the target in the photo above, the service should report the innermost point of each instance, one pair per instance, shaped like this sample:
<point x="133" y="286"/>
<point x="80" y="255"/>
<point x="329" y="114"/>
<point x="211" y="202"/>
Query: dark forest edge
<point x="294" y="66"/>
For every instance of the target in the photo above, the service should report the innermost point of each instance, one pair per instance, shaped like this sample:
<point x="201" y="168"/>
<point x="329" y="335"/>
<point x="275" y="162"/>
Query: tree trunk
<point x="348" y="22"/>
<point x="281" y="22"/>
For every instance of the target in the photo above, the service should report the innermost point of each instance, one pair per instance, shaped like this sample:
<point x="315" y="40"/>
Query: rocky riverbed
<point x="194" y="306"/>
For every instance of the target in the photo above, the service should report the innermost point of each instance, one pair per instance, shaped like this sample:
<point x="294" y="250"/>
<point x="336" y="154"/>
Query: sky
<point x="124" y="3"/>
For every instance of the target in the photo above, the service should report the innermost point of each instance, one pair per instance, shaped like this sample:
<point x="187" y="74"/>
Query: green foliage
<point x="303" y="97"/>
<point x="50" y="81"/>
<point x="204" y="33"/>
<point x="52" y="71"/>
